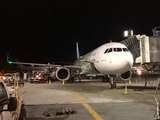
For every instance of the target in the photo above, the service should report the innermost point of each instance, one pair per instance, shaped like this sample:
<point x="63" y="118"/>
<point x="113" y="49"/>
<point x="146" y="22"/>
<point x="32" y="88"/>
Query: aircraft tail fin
<point x="77" y="49"/>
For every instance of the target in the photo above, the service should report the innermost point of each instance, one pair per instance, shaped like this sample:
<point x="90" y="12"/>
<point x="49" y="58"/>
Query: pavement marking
<point x="118" y="91"/>
<point x="94" y="114"/>
<point x="58" y="87"/>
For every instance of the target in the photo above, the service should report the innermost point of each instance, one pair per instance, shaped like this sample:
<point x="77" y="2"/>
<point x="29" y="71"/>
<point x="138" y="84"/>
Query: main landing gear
<point x="111" y="83"/>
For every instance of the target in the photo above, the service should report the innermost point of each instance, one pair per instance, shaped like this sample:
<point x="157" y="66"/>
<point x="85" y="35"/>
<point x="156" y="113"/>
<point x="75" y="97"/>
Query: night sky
<point x="47" y="31"/>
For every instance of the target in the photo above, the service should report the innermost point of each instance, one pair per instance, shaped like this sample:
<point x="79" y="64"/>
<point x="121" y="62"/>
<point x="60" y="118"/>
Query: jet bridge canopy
<point x="133" y="44"/>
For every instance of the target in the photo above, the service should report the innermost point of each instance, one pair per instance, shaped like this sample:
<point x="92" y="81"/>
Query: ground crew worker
<point x="79" y="78"/>
<point x="48" y="77"/>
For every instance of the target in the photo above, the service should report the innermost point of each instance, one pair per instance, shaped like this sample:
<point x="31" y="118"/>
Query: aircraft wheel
<point x="11" y="79"/>
<point x="110" y="86"/>
<point x="114" y="85"/>
<point x="22" y="114"/>
<point x="103" y="79"/>
<point x="72" y="79"/>
<point x="18" y="78"/>
<point x="107" y="79"/>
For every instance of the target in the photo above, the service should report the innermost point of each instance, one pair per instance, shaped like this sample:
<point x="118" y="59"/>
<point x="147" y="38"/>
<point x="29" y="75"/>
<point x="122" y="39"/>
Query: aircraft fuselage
<point x="110" y="58"/>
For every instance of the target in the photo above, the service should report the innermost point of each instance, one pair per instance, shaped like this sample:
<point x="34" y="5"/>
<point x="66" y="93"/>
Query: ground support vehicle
<point x="11" y="101"/>
<point x="37" y="78"/>
<point x="10" y="78"/>
<point x="41" y="77"/>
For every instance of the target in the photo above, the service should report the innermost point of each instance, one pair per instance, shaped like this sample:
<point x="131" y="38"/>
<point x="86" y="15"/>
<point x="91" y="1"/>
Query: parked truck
<point x="11" y="101"/>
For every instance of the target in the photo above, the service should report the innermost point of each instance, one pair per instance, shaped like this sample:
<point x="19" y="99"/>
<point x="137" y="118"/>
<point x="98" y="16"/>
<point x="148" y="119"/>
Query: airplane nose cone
<point x="122" y="62"/>
<point x="118" y="63"/>
<point x="127" y="62"/>
<point x="115" y="63"/>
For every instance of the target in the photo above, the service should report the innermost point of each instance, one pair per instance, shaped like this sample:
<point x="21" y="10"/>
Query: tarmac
<point x="92" y="100"/>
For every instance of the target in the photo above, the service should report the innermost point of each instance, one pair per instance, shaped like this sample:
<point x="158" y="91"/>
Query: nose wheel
<point x="111" y="83"/>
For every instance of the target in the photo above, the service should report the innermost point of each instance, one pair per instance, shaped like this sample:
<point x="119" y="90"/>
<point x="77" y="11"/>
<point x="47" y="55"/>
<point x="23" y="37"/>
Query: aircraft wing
<point x="73" y="67"/>
<point x="32" y="64"/>
<point x="35" y="64"/>
<point x="46" y="65"/>
<point x="87" y="61"/>
<point x="43" y="65"/>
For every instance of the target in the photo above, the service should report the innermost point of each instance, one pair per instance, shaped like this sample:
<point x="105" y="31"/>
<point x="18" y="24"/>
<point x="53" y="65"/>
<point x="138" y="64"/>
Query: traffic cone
<point x="136" y="80"/>
<point x="63" y="82"/>
<point x="49" y="81"/>
<point x="129" y="81"/>
<point x="125" y="92"/>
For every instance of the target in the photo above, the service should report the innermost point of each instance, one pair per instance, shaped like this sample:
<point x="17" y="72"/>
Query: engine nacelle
<point x="63" y="73"/>
<point x="126" y="76"/>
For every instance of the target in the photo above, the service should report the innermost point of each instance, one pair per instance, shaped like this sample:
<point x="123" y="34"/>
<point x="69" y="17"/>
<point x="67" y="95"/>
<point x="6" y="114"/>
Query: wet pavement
<point x="91" y="100"/>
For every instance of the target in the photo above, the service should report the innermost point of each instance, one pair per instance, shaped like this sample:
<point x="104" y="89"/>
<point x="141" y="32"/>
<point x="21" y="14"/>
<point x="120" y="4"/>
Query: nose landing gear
<point x="111" y="83"/>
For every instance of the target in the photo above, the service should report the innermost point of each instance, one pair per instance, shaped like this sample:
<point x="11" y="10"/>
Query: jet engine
<point x="63" y="73"/>
<point x="126" y="76"/>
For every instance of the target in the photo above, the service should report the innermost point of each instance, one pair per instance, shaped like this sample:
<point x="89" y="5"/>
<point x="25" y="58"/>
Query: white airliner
<point x="110" y="59"/>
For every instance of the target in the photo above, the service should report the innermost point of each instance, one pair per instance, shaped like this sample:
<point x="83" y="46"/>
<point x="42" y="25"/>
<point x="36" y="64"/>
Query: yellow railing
<point x="16" y="93"/>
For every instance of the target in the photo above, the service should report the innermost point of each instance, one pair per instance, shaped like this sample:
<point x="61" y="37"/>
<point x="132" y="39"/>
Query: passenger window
<point x="3" y="93"/>
<point x="106" y="51"/>
<point x="110" y="50"/>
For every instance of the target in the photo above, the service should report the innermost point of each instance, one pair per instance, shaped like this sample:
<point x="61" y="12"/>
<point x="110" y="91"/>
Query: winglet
<point x="7" y="57"/>
<point x="77" y="49"/>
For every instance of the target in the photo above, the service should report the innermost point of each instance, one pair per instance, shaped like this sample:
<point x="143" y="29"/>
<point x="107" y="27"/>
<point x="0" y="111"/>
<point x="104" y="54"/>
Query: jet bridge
<point x="145" y="49"/>
<point x="146" y="52"/>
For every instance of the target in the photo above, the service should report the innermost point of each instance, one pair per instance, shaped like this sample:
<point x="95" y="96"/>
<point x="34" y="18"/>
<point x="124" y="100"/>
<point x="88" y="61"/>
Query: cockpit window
<point x="106" y="51"/>
<point x="125" y="49"/>
<point x="117" y="49"/>
<point x="110" y="50"/>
